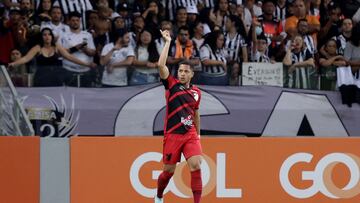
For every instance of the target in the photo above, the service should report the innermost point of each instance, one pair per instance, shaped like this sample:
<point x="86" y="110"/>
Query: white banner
<point x="270" y="74"/>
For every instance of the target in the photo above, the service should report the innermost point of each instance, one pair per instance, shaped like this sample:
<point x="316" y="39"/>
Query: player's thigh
<point x="192" y="151"/>
<point x="172" y="151"/>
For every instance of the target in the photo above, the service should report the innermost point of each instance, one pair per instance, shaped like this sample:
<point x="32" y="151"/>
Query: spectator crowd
<point x="112" y="43"/>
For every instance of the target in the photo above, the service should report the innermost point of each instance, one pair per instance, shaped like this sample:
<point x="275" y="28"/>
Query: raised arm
<point x="287" y="59"/>
<point x="30" y="55"/>
<point x="163" y="70"/>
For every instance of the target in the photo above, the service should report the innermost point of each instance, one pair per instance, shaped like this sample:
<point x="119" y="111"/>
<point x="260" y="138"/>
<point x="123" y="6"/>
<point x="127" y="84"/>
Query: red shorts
<point x="175" y="144"/>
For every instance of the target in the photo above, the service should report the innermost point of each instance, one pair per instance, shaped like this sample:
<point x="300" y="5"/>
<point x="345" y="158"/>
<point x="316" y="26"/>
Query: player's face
<point x="185" y="73"/>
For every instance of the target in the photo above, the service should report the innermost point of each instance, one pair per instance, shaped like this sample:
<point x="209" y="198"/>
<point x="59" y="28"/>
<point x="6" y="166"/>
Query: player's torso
<point x="181" y="106"/>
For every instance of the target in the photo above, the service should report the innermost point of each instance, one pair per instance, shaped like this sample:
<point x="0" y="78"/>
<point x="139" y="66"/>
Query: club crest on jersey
<point x="195" y="95"/>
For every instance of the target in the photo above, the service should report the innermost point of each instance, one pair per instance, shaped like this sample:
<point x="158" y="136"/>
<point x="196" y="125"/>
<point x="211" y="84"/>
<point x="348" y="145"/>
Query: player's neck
<point x="186" y="85"/>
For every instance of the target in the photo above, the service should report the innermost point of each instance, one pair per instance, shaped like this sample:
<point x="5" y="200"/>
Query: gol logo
<point x="321" y="176"/>
<point x="213" y="175"/>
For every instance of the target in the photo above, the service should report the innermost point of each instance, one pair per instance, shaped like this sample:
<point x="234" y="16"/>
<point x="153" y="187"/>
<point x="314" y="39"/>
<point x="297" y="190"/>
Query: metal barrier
<point x="13" y="118"/>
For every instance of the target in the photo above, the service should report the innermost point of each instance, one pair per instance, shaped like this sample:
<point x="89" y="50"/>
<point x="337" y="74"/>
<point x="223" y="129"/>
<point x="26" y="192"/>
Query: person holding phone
<point x="81" y="45"/>
<point x="48" y="56"/>
<point x="300" y="63"/>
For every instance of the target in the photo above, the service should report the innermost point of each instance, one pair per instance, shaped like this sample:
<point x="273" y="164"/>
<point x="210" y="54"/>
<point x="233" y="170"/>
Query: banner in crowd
<point x="270" y="74"/>
<point x="140" y="110"/>
<point x="245" y="170"/>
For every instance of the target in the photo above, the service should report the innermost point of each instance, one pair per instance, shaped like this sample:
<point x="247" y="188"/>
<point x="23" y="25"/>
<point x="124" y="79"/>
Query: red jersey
<point x="181" y="104"/>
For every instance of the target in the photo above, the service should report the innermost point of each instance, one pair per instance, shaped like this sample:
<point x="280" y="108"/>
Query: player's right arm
<point x="163" y="70"/>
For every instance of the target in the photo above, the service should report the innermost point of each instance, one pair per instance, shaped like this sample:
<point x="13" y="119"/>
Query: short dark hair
<point x="187" y="64"/>
<point x="179" y="8"/>
<point x="119" y="33"/>
<point x="268" y="1"/>
<point x="74" y="14"/>
<point x="184" y="27"/>
<point x="261" y="37"/>
<point x="55" y="7"/>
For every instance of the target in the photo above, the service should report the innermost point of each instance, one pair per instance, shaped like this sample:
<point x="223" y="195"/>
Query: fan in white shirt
<point x="117" y="57"/>
<point x="56" y="25"/>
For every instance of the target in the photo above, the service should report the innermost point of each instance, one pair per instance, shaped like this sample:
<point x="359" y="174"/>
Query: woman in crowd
<point x="213" y="60"/>
<point x="235" y="47"/>
<point x="43" y="12"/>
<point x="328" y="65"/>
<point x="198" y="34"/>
<point x="352" y="51"/>
<point x="138" y="26"/>
<point x="47" y="55"/>
<point x="207" y="18"/>
<point x="145" y="62"/>
<point x="153" y="18"/>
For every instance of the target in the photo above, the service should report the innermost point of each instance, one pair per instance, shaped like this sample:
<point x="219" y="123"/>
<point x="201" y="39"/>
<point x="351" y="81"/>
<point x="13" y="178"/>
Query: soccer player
<point x="182" y="124"/>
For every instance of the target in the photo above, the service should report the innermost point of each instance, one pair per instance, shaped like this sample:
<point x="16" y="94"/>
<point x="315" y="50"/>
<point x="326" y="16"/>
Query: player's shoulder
<point x="196" y="88"/>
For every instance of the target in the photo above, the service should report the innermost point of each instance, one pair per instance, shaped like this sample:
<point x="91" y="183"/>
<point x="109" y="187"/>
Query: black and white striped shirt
<point x="301" y="77"/>
<point x="310" y="44"/>
<point x="207" y="53"/>
<point x="172" y="5"/>
<point x="280" y="13"/>
<point x="260" y="58"/>
<point x="341" y="41"/>
<point x="80" y="6"/>
<point x="233" y="46"/>
<point x="208" y="3"/>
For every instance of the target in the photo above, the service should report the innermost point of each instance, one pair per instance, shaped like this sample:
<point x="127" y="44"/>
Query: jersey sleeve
<point x="199" y="99"/>
<point x="169" y="82"/>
